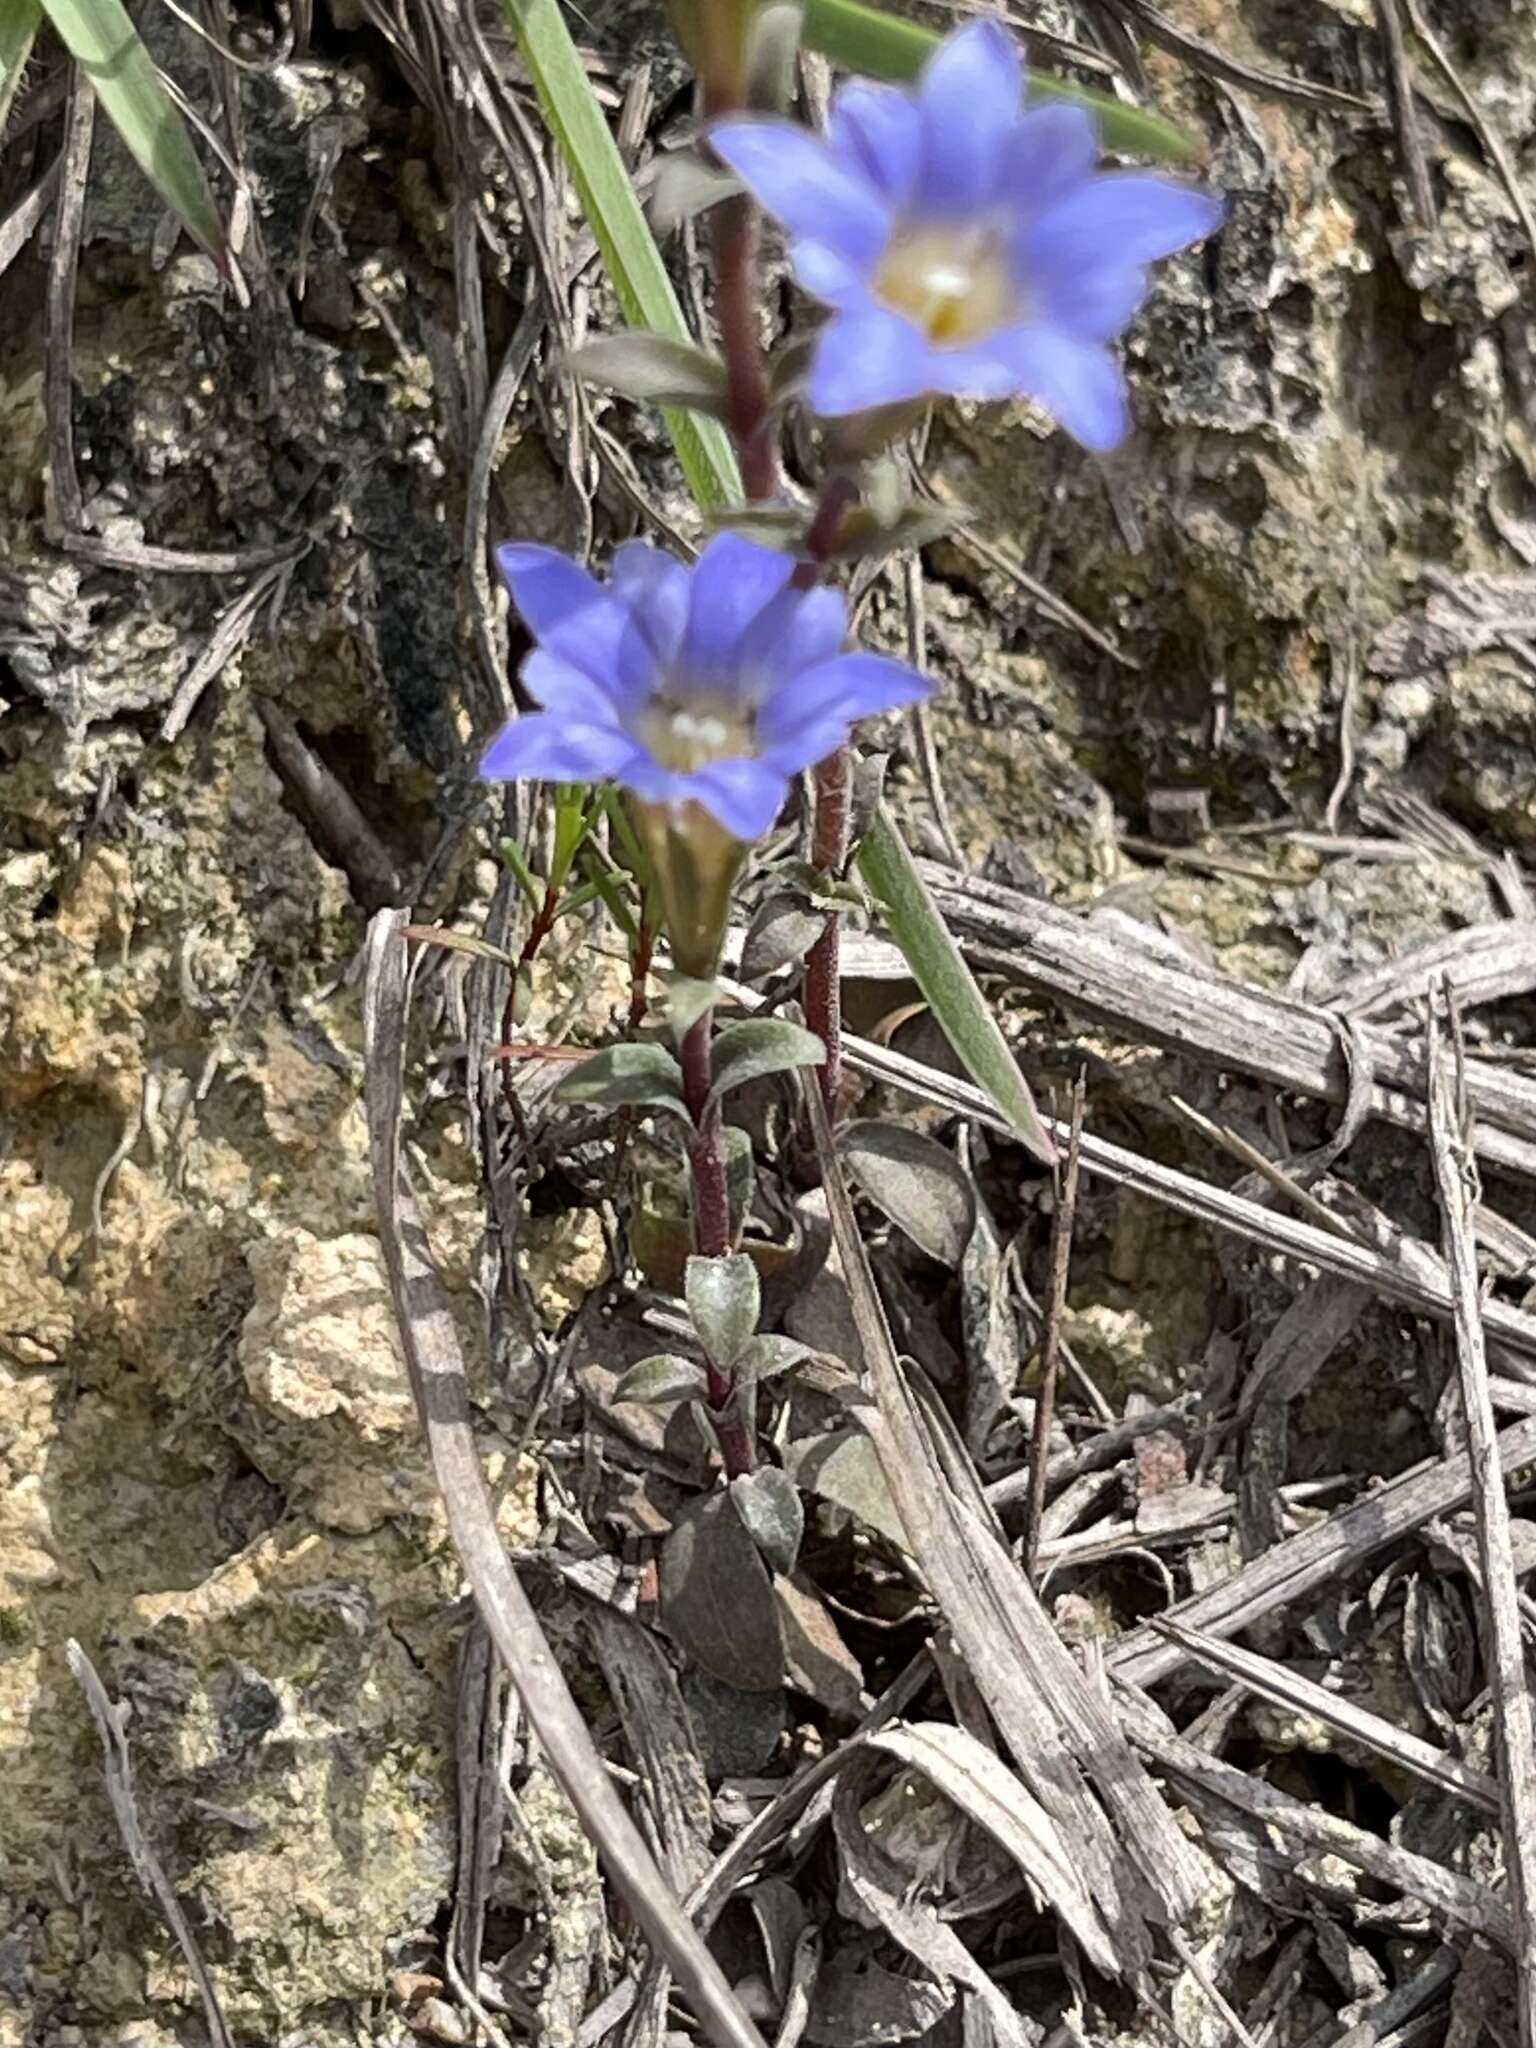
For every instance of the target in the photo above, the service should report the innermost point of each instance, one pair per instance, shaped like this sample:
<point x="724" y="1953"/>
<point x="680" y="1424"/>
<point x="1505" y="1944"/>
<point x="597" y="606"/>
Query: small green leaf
<point x="844" y="1468"/>
<point x="571" y="799"/>
<point x="881" y="45"/>
<point x="717" y="1599"/>
<point x="773" y="49"/>
<point x="724" y="1303"/>
<point x="780" y="935"/>
<point x="662" y="1379"/>
<point x="740" y="1174"/>
<point x="769" y="1506"/>
<point x="771" y="526"/>
<point x="516" y="864"/>
<point x="762" y="1045"/>
<point x="866" y="535"/>
<point x="684" y="186"/>
<point x="102" y="39"/>
<point x="613" y="213"/>
<point x="19" y="23"/>
<point x="687" y="1000"/>
<point x="456" y="942"/>
<point x="915" y="1182"/>
<point x="627" y="1077"/>
<point x="761" y="1357"/>
<point x="789" y="366"/>
<point x="940" y="972"/>
<point x="657" y="369"/>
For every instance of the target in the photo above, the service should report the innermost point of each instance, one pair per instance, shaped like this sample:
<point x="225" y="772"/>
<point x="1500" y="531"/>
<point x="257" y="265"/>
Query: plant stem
<point x="734" y="228"/>
<point x="833" y="788"/>
<point x="712" y="1227"/>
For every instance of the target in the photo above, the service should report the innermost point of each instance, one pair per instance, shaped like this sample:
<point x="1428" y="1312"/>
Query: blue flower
<point x="708" y="686"/>
<point x="966" y="245"/>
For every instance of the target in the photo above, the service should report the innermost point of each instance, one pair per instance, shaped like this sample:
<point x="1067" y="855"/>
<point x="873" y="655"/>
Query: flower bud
<point x="694" y="862"/>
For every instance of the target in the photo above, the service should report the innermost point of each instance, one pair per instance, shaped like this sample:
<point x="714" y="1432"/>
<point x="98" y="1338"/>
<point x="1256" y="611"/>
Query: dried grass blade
<point x="431" y="1347"/>
<point x="109" y="1719"/>
<point x="1503" y="1648"/>
<point x="1060" y="1731"/>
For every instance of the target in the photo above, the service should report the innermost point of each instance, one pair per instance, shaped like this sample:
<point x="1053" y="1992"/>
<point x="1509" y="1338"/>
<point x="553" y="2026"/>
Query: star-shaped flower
<point x="708" y="686"/>
<point x="966" y="244"/>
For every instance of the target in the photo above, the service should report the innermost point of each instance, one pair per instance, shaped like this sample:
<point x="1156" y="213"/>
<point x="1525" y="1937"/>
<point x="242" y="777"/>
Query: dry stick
<point x="431" y="1348"/>
<point x="69" y="505"/>
<point x="1050" y="1328"/>
<point x="1400" y="91"/>
<point x="110" y="1720"/>
<point x="1503" y="1653"/>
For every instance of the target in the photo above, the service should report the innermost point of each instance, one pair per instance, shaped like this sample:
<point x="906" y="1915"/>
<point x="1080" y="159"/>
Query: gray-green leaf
<point x="687" y="999"/>
<point x="781" y="933"/>
<point x="662" y="1379"/>
<point x="762" y="1045"/>
<point x="947" y="983"/>
<point x="724" y="1303"/>
<point x="915" y="1182"/>
<point x="717" y="1599"/>
<point x="769" y="1506"/>
<point x="627" y="1077"/>
<point x="844" y="1468"/>
<point x="657" y="369"/>
<point x="685" y="185"/>
<point x="761" y="1357"/>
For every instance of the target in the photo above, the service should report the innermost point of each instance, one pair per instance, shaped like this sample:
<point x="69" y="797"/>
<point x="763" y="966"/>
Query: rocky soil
<point x="212" y="1477"/>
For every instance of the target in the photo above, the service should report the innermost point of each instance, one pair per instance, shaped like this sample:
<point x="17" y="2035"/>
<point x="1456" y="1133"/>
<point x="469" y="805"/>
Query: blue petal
<point x="1091" y="303"/>
<point x="796" y="180"/>
<point x="547" y="587"/>
<point x="732" y="581"/>
<point x="570" y="613"/>
<point x="969" y="95"/>
<point x="1129" y="216"/>
<point x="827" y="275"/>
<point x="549" y="749"/>
<point x="1051" y="150"/>
<point x="876" y="131"/>
<point x="1080" y="383"/>
<point x="567" y="692"/>
<point x="868" y="356"/>
<point x="811" y="713"/>
<point x="655" y="588"/>
<point x="800" y="629"/>
<point x="746" y="796"/>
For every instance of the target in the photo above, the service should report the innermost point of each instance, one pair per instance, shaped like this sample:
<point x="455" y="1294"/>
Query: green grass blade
<point x="882" y="45"/>
<point x="946" y="982"/>
<point x="613" y="213"/>
<point x="105" y="44"/>
<point x="19" y="20"/>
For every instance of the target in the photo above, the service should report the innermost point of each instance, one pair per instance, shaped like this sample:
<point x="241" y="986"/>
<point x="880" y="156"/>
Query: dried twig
<point x="1503" y="1650"/>
<point x="69" y="505"/>
<point x="110" y="1720"/>
<point x="1410" y="142"/>
<point x="431" y="1348"/>
<point x="1066" y="1175"/>
<point x="339" y="827"/>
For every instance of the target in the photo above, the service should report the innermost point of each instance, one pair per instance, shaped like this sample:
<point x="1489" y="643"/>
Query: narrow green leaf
<point x="105" y="44"/>
<point x="457" y="942"/>
<point x="724" y="1303"/>
<point x="627" y="1077"/>
<point x="946" y="982"/>
<point x="613" y="213"/>
<point x="881" y="45"/>
<point x="762" y="1045"/>
<point x="19" y="23"/>
<point x="571" y="800"/>
<point x="517" y="866"/>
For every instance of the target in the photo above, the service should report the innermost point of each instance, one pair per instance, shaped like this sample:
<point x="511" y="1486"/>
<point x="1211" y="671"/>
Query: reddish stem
<point x="712" y="1227"/>
<point x="736" y="306"/>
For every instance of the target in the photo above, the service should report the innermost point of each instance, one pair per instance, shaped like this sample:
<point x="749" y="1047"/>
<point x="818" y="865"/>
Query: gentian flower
<point x="700" y="692"/>
<point x="965" y="244"/>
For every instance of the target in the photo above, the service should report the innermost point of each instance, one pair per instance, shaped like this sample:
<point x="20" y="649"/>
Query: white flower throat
<point x="954" y="283"/>
<point x="687" y="736"/>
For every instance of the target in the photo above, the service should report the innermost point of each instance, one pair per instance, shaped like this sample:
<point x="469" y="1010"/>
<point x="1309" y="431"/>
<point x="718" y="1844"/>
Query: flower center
<point x="954" y="284"/>
<point x="687" y="737"/>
